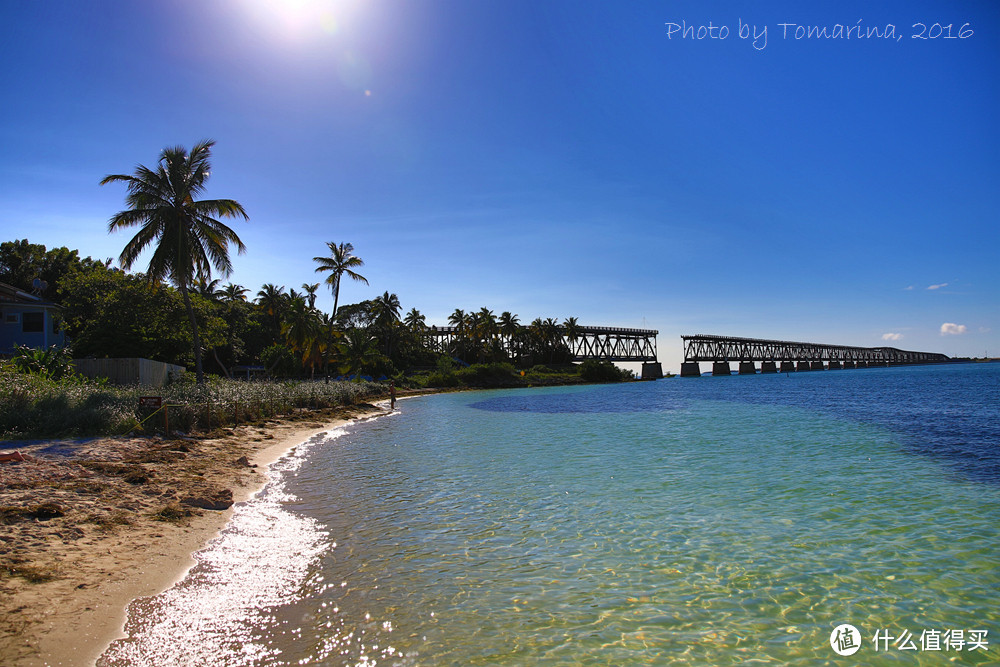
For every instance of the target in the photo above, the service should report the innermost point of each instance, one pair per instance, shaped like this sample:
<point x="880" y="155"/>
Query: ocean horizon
<point x="702" y="521"/>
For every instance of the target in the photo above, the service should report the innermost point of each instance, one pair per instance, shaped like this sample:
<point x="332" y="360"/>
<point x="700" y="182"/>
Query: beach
<point x="106" y="520"/>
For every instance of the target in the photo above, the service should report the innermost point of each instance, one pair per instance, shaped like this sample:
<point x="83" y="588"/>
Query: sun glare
<point x="300" y="19"/>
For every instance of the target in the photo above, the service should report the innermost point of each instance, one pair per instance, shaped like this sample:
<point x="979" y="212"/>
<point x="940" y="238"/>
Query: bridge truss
<point x="584" y="342"/>
<point x="727" y="348"/>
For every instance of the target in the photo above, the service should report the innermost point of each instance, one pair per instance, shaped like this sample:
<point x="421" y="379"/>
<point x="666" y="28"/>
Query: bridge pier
<point x="787" y="366"/>
<point x="652" y="370"/>
<point x="834" y="365"/>
<point x="768" y="367"/>
<point x="690" y="369"/>
<point x="816" y="366"/>
<point x="849" y="364"/>
<point x="747" y="368"/>
<point x="803" y="366"/>
<point x="721" y="368"/>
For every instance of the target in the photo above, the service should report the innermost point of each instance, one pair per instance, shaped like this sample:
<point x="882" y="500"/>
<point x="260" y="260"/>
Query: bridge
<point x="784" y="356"/>
<point x="582" y="342"/>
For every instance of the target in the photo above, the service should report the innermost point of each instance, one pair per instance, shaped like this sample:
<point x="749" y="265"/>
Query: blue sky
<point x="555" y="159"/>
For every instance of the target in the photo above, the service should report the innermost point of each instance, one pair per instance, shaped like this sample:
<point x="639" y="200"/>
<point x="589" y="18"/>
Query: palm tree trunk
<point x="336" y="298"/>
<point x="196" y="337"/>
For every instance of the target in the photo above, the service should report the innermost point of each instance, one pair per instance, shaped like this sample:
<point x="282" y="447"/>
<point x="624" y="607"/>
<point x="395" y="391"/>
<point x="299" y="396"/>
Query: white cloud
<point x="937" y="286"/>
<point x="953" y="329"/>
<point x="892" y="336"/>
<point x="907" y="289"/>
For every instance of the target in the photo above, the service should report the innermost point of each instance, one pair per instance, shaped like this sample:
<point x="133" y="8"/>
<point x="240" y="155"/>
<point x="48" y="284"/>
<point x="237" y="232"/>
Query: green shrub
<point x="602" y="371"/>
<point x="489" y="375"/>
<point x="442" y="379"/>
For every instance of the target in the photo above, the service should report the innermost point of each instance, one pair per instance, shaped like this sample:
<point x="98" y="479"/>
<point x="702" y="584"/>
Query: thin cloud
<point x="952" y="329"/>
<point x="892" y="336"/>
<point x="937" y="286"/>
<point x="907" y="289"/>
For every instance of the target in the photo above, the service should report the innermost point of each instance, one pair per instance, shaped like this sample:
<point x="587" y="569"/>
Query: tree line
<point x="175" y="311"/>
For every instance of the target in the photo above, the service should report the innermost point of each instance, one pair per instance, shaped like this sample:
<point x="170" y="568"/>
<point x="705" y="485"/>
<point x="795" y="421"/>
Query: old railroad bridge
<point x="774" y="356"/>
<point x="781" y="356"/>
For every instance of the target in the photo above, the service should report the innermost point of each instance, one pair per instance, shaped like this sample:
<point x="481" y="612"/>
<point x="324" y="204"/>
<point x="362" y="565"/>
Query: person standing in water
<point x="392" y="394"/>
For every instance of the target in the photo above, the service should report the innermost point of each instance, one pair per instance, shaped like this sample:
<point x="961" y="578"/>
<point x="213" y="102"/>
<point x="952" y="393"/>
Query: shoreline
<point x="71" y="618"/>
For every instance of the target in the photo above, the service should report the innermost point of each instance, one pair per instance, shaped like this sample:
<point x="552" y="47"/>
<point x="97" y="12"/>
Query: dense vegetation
<point x="110" y="313"/>
<point x="36" y="404"/>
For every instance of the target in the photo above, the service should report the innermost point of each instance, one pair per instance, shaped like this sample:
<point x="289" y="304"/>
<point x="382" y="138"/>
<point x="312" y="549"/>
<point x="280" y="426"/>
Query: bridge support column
<point x="849" y="364"/>
<point x="835" y="366"/>
<point x="768" y="367"/>
<point x="816" y="366"/>
<point x="721" y="368"/>
<point x="803" y="366"/>
<point x="787" y="366"/>
<point x="652" y="370"/>
<point x="690" y="369"/>
<point x="747" y="368"/>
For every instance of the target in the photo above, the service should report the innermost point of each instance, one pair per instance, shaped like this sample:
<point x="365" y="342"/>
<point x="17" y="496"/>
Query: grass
<point x="32" y="406"/>
<point x="34" y="574"/>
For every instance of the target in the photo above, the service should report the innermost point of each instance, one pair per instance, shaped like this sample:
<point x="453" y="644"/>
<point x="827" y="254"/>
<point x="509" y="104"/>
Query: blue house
<point x="27" y="319"/>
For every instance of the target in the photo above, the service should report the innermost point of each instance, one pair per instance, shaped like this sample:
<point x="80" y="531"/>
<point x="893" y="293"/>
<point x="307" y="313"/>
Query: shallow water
<point x="701" y="521"/>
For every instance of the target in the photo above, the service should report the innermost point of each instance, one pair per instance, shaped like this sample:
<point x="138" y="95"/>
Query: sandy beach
<point x="89" y="525"/>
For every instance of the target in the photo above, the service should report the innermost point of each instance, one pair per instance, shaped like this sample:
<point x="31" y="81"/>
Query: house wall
<point x="12" y="333"/>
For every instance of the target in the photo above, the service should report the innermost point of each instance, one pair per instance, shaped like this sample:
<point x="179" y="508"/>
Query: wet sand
<point x="93" y="524"/>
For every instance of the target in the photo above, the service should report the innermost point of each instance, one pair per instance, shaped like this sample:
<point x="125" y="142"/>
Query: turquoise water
<point x="704" y="521"/>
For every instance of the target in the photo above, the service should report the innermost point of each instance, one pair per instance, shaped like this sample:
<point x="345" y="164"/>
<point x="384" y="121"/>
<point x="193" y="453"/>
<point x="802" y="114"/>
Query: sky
<point x="566" y="158"/>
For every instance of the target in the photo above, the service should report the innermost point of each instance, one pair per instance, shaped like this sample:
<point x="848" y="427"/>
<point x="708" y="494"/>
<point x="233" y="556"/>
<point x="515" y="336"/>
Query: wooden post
<point x="166" y="419"/>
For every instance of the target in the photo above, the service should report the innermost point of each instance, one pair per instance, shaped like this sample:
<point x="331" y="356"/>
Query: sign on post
<point x="150" y="401"/>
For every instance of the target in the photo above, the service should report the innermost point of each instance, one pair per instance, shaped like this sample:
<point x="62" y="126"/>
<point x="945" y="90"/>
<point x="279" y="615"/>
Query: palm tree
<point x="311" y="293"/>
<point x="270" y="298"/>
<point x="303" y="331"/>
<point x="509" y="326"/>
<point x="385" y="309"/>
<point x="188" y="241"/>
<point x="232" y="293"/>
<point x="415" y="321"/>
<point x="340" y="262"/>
<point x="359" y="351"/>
<point x="571" y="330"/>
<point x="459" y="320"/>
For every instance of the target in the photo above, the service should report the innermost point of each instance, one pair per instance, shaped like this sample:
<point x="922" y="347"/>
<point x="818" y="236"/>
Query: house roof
<point x="15" y="295"/>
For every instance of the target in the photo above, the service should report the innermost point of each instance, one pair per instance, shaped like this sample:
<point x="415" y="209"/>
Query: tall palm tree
<point x="341" y="262"/>
<point x="188" y="241"/>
